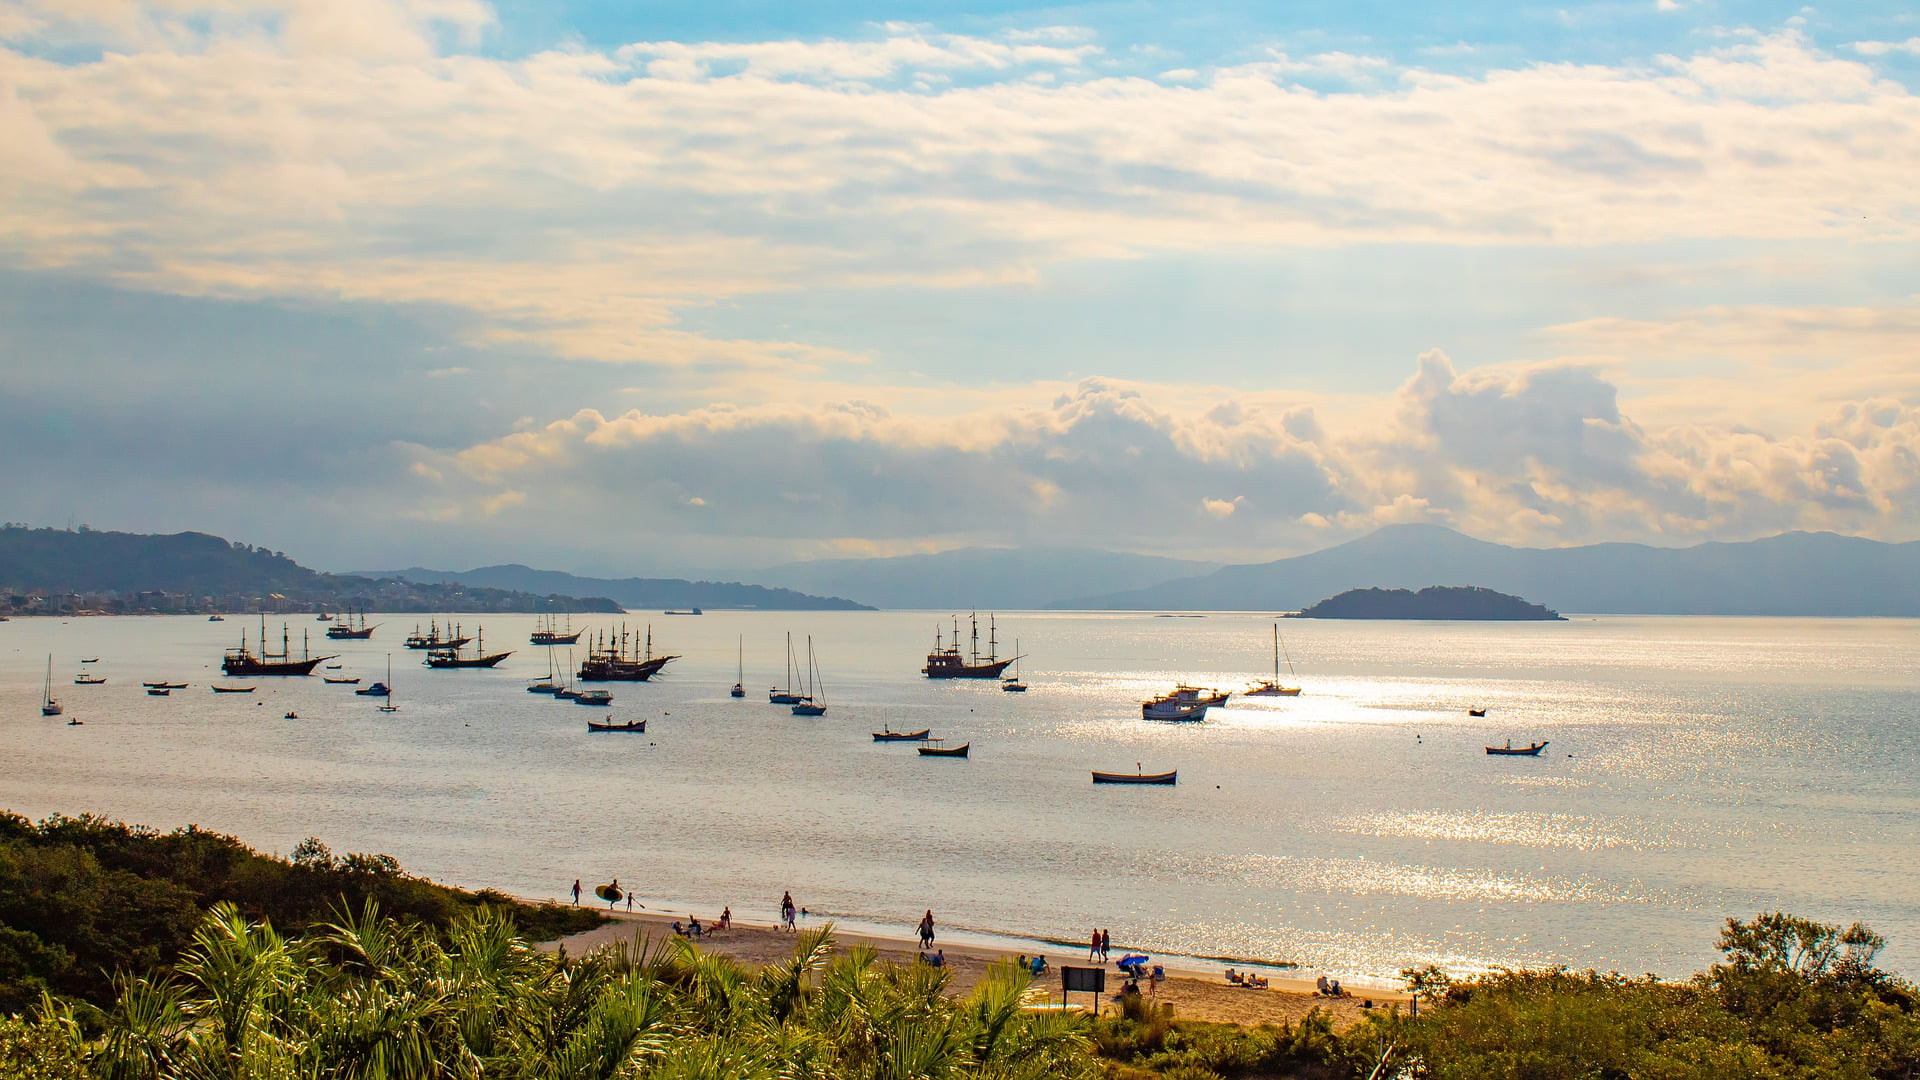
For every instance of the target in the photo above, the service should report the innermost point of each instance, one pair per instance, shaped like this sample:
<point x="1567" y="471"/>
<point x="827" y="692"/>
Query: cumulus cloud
<point x="584" y="202"/>
<point x="1536" y="455"/>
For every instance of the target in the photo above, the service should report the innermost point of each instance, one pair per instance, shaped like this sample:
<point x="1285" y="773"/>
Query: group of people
<point x="937" y="958"/>
<point x="1247" y="979"/>
<point x="787" y="912"/>
<point x="1036" y="967"/>
<point x="1099" y="944"/>
<point x="926" y="929"/>
<point x="612" y="894"/>
<point x="693" y="929"/>
<point x="1326" y="987"/>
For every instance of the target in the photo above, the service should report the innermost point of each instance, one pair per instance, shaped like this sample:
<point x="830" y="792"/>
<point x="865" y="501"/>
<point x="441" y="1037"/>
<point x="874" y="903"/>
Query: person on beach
<point x="576" y="892"/>
<point x="1154" y="980"/>
<point x="726" y="919"/>
<point x="926" y="929"/>
<point x="629" y="901"/>
<point x="786" y="911"/>
<point x="1106" y="945"/>
<point x="693" y="926"/>
<point x="613" y="891"/>
<point x="1093" y="945"/>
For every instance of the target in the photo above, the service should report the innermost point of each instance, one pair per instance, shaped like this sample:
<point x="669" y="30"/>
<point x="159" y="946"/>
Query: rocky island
<point x="1455" y="602"/>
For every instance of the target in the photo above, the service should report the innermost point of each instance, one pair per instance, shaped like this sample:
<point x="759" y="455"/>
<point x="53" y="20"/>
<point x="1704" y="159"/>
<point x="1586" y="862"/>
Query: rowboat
<point x="1477" y="712"/>
<point x="631" y="725"/>
<point x="355" y="681"/>
<point x="1511" y="750"/>
<point x="1135" y="777"/>
<point x="233" y="689"/>
<point x="158" y="691"/>
<point x="89" y="680"/>
<point x="164" y="685"/>
<point x="944" y="751"/>
<point x="891" y="735"/>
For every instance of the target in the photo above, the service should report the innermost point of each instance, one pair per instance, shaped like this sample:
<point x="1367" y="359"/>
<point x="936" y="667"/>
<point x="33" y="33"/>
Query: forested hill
<point x="636" y="593"/>
<point x="67" y="570"/>
<point x="1466" y="603"/>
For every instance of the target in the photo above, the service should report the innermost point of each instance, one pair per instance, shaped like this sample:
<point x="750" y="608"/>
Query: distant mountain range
<point x="965" y="579"/>
<point x="636" y="593"/>
<point x="62" y="571"/>
<point x="1790" y="574"/>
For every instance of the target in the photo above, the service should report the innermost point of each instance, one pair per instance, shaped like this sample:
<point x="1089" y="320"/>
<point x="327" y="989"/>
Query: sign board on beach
<point x="1092" y="980"/>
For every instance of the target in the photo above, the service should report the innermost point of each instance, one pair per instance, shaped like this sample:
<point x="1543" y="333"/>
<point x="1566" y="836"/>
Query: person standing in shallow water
<point x="576" y="892"/>
<point x="786" y="911"/>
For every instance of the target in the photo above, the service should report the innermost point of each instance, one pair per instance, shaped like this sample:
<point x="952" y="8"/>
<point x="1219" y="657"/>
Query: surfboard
<point x="608" y="893"/>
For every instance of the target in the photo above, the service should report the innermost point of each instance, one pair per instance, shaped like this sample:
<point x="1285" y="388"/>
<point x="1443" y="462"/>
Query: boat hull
<point x="233" y="689"/>
<point x="438" y="661"/>
<point x="247" y="665"/>
<point x="635" y="725"/>
<point x="809" y="710"/>
<point x="1517" y="751"/>
<point x="1136" y="778"/>
<point x="938" y="751"/>
<point x="902" y="736"/>
<point x="944" y="666"/>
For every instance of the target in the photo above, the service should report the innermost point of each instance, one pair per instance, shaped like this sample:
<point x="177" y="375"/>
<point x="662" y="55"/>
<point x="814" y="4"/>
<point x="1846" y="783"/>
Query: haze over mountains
<point x="1789" y="574"/>
<point x="966" y="578"/>
<point x="635" y="592"/>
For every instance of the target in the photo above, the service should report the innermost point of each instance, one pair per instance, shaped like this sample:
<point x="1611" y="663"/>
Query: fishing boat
<point x="1511" y="750"/>
<point x="378" y="689"/>
<point x="232" y="689"/>
<point x="1173" y="710"/>
<point x="387" y="691"/>
<point x="1477" y="712"/>
<point x="548" y="634"/>
<point x="610" y="660"/>
<point x="431" y="640"/>
<point x="891" y="735"/>
<point x="947" y="662"/>
<point x="594" y="697"/>
<point x="451" y="658"/>
<point x="815" y="704"/>
<point x="777" y="696"/>
<point x="157" y="691"/>
<point x="48" y="706"/>
<point x="241" y="661"/>
<point x="347" y="629"/>
<point x="355" y="681"/>
<point x="1014" y="685"/>
<point x="1193" y="694"/>
<point x="216" y="618"/>
<point x="631" y="725"/>
<point x="689" y="611"/>
<point x="944" y="751"/>
<point x="1135" y="777"/>
<point x="89" y="680"/>
<point x="164" y="685"/>
<point x="323" y="617"/>
<point x="739" y="668"/>
<point x="1272" y="687"/>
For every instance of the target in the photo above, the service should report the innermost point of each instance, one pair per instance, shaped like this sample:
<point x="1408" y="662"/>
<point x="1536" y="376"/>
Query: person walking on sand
<point x="576" y="892"/>
<point x="613" y="894"/>
<point x="629" y="901"/>
<point x="1106" y="945"/>
<point x="926" y="929"/>
<point x="1093" y="944"/>
<point x="726" y="919"/>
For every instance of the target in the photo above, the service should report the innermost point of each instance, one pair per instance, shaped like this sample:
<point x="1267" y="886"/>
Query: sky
<point x="638" y="288"/>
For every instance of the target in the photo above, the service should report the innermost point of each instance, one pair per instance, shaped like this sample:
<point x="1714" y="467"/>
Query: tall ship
<point x="946" y="661"/>
<point x="243" y="661"/>
<point x="346" y="629"/>
<point x="451" y="657"/>
<point x="549" y="634"/>
<point x="611" y="659"/>
<point x="432" y="639"/>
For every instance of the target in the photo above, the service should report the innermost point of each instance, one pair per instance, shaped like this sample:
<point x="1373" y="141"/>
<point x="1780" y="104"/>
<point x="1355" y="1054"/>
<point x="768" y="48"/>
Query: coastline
<point x="1195" y="990"/>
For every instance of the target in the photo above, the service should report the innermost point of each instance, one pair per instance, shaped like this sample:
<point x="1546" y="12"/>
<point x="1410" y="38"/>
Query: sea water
<point x="1696" y="769"/>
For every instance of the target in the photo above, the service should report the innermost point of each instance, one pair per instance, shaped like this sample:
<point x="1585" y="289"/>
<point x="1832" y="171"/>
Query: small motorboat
<point x="1013" y="686"/>
<point x="378" y="689"/>
<point x="291" y="715"/>
<point x="75" y="722"/>
<point x="233" y="689"/>
<point x="335" y="667"/>
<point x="1511" y="750"/>
<point x="1173" y="710"/>
<point x="891" y="735"/>
<point x="1191" y="694"/>
<point x="1477" y="712"/>
<point x="631" y="725"/>
<point x="159" y="691"/>
<point x="91" y="660"/>
<point x="944" y="751"/>
<point x="593" y="697"/>
<point x="1136" y="777"/>
<point x="89" y="680"/>
<point x="216" y="618"/>
<point x="355" y="681"/>
<point x="566" y="693"/>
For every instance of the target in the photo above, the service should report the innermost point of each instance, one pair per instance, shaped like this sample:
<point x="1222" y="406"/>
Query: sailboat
<point x="740" y="669"/>
<point x="777" y="696"/>
<point x="815" y="701"/>
<point x="1271" y="687"/>
<point x="388" y="705"/>
<point x="48" y="706"/>
<point x="546" y="685"/>
<point x="1014" y="685"/>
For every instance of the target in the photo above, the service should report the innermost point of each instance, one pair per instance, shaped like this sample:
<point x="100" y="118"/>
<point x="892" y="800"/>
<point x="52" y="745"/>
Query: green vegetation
<point x="369" y="997"/>
<point x="1463" y="603"/>
<point x="127" y="954"/>
<point x="83" y="899"/>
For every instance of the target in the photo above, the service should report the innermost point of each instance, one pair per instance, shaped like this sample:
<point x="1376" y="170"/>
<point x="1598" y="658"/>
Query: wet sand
<point x="1194" y="995"/>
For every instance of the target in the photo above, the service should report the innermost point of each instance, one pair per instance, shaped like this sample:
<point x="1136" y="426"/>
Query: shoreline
<point x="1195" y="990"/>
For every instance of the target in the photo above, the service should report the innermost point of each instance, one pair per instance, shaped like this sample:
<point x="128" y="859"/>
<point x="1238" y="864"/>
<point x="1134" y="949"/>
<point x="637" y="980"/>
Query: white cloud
<point x="1911" y="47"/>
<point x="582" y="202"/>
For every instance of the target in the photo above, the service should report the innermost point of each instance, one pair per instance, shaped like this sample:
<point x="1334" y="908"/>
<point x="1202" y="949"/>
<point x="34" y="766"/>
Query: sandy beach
<point x="1194" y="995"/>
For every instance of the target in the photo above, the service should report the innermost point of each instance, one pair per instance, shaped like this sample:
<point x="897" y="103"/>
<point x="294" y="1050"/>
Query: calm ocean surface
<point x="1698" y="769"/>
